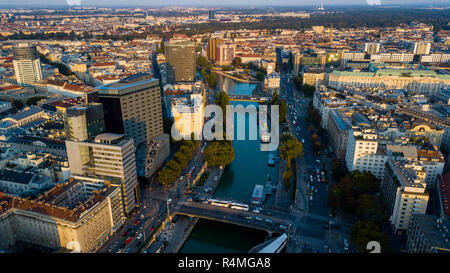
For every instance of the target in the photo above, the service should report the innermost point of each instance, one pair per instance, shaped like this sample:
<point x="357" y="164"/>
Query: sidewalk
<point x="301" y="201"/>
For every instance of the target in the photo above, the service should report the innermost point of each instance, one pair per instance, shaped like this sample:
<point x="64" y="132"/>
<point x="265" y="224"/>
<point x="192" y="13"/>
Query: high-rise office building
<point x="132" y="106"/>
<point x="211" y="15"/>
<point x="110" y="157"/>
<point x="422" y="48"/>
<point x="181" y="60"/>
<point x="84" y="122"/>
<point x="226" y="53"/>
<point x="211" y="49"/>
<point x="27" y="65"/>
<point x="371" y="48"/>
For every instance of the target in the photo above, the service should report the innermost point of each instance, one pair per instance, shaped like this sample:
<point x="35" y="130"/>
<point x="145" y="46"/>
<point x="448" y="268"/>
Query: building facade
<point x="27" y="65"/>
<point x="403" y="189"/>
<point x="110" y="157"/>
<point x="133" y="107"/>
<point x="84" y="122"/>
<point x="181" y="61"/>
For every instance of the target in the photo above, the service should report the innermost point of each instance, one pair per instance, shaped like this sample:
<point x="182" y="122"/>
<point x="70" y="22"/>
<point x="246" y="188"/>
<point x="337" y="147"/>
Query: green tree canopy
<point x="290" y="148"/>
<point x="167" y="176"/>
<point x="222" y="100"/>
<point x="363" y="232"/>
<point x="219" y="153"/>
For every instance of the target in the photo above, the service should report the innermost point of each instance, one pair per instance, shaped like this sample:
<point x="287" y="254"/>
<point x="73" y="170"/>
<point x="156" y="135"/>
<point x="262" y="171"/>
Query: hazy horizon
<point x="211" y="3"/>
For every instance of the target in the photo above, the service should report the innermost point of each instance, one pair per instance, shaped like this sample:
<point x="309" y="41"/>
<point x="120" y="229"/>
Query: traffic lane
<point x="276" y="215"/>
<point x="253" y="222"/>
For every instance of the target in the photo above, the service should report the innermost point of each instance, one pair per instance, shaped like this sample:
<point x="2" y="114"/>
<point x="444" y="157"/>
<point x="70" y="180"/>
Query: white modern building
<point x="110" y="157"/>
<point x="404" y="190"/>
<point x="27" y="65"/>
<point x="188" y="114"/>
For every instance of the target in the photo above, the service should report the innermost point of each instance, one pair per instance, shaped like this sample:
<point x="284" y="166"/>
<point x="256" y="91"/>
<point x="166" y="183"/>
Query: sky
<point x="214" y="2"/>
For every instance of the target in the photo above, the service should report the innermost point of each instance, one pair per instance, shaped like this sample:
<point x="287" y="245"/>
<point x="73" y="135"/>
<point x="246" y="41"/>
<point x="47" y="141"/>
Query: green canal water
<point x="248" y="168"/>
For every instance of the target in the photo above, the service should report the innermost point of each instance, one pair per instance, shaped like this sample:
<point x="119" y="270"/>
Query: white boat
<point x="258" y="195"/>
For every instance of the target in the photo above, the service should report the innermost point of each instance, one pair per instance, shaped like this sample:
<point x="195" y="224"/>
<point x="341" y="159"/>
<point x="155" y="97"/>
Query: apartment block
<point x="404" y="190"/>
<point x="428" y="234"/>
<point x="63" y="217"/>
<point x="110" y="157"/>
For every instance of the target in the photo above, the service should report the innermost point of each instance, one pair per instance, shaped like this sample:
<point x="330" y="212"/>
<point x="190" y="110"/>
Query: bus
<point x="239" y="206"/>
<point x="219" y="203"/>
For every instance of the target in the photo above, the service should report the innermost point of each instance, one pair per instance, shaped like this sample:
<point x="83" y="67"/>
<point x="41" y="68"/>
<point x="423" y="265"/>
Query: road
<point x="312" y="235"/>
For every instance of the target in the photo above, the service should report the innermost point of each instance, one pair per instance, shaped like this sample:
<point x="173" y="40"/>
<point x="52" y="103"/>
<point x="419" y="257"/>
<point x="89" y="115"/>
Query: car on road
<point x="310" y="198"/>
<point x="139" y="236"/>
<point x="258" y="218"/>
<point x="268" y="220"/>
<point x="248" y="217"/>
<point x="256" y="211"/>
<point x="189" y="199"/>
<point x="283" y="226"/>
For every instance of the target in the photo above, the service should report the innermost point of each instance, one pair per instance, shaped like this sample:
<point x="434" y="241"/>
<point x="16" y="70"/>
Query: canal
<point x="249" y="167"/>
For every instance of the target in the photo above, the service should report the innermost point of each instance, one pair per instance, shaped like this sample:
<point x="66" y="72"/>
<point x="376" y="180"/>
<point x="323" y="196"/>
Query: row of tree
<point x="282" y="104"/>
<point x="358" y="194"/>
<point x="290" y="148"/>
<point x="220" y="152"/>
<point x="179" y="162"/>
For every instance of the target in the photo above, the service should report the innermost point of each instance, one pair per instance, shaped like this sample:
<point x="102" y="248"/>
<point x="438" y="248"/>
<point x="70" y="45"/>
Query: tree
<point x="202" y="61"/>
<point x="236" y="61"/>
<point x="260" y="76"/>
<point x="211" y="79"/>
<point x="365" y="182"/>
<point x="290" y="148"/>
<point x="170" y="173"/>
<point x="313" y="115"/>
<point x="283" y="110"/>
<point x="275" y="99"/>
<point x="175" y="166"/>
<point x="182" y="159"/>
<point x="222" y="100"/>
<point x="167" y="176"/>
<point x="219" y="153"/>
<point x="334" y="194"/>
<point x="363" y="232"/>
<point x="287" y="179"/>
<point x="337" y="169"/>
<point x="368" y="208"/>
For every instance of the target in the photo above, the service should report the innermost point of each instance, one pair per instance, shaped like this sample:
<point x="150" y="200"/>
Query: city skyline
<point x="230" y="3"/>
<point x="132" y="129"/>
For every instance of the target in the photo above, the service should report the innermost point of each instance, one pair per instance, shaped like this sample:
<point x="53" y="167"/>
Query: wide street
<point x="313" y="235"/>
